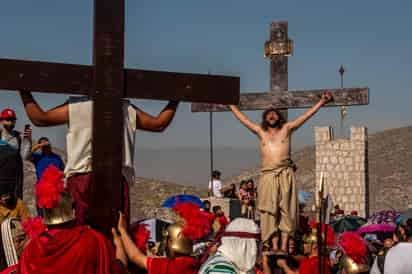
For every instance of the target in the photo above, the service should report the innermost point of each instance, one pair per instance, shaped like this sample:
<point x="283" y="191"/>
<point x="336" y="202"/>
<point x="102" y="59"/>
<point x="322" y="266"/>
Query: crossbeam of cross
<point x="277" y="49"/>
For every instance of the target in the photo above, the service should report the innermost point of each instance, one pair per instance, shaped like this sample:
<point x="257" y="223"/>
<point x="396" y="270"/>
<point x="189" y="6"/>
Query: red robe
<point x="210" y="216"/>
<point x="75" y="250"/>
<point x="179" y="265"/>
<point x="310" y="266"/>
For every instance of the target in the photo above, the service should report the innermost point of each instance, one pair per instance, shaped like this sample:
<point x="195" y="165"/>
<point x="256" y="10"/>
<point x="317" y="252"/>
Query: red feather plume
<point x="33" y="227"/>
<point x="141" y="236"/>
<point x="197" y="224"/>
<point x="313" y="224"/>
<point x="49" y="187"/>
<point x="353" y="246"/>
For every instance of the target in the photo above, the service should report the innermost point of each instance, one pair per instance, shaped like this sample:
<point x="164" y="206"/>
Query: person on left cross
<point x="77" y="113"/>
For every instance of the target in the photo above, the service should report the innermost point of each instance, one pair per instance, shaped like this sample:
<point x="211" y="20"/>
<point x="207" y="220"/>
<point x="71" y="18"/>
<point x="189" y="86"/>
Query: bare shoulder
<point x="288" y="126"/>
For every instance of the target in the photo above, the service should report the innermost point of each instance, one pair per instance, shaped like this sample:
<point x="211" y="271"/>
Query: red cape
<point x="75" y="250"/>
<point x="310" y="266"/>
<point x="180" y="265"/>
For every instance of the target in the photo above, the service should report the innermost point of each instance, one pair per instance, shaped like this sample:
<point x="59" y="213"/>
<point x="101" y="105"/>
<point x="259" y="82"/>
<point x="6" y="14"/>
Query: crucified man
<point x="277" y="194"/>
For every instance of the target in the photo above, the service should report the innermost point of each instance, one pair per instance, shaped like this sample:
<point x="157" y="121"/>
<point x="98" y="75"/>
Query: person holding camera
<point x="43" y="156"/>
<point x="13" y="150"/>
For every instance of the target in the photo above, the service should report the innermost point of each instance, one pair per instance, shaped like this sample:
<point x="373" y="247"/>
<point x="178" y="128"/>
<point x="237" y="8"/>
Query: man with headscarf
<point x="238" y="251"/>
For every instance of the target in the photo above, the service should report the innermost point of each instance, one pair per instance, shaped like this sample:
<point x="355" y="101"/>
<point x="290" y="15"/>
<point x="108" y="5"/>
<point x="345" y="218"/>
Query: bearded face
<point x="8" y="124"/>
<point x="271" y="119"/>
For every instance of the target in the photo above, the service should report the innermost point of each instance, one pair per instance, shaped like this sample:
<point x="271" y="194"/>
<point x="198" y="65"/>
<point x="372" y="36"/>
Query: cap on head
<point x="8" y="113"/>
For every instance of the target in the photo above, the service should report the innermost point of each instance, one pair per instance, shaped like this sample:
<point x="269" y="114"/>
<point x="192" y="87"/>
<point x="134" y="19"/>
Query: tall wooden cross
<point x="277" y="49"/>
<point x="107" y="82"/>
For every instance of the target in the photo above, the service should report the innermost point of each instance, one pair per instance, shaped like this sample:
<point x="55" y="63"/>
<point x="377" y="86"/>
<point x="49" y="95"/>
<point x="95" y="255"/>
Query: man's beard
<point x="274" y="125"/>
<point x="271" y="125"/>
<point x="9" y="128"/>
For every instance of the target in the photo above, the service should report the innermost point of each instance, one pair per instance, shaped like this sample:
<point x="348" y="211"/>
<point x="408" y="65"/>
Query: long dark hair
<point x="265" y="125"/>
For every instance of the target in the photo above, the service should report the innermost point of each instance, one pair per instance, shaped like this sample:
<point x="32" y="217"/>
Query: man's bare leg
<point x="275" y="242"/>
<point x="285" y="240"/>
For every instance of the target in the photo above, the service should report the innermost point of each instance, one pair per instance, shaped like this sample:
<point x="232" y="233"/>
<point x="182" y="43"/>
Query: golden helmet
<point x="63" y="213"/>
<point x="351" y="267"/>
<point x="177" y="242"/>
<point x="311" y="238"/>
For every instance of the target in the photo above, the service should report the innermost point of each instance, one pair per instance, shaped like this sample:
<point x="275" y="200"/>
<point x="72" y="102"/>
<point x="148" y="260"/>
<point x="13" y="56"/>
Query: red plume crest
<point x="49" y="187"/>
<point x="141" y="236"/>
<point x="353" y="246"/>
<point x="197" y="224"/>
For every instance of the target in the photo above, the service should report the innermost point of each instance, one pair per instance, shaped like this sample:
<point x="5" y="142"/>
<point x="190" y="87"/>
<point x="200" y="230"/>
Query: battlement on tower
<point x="344" y="164"/>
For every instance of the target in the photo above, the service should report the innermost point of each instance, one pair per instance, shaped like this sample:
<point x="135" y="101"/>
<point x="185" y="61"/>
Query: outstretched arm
<point x="243" y="119"/>
<point x="132" y="251"/>
<point x="53" y="117"/>
<point x="295" y="124"/>
<point x="159" y="123"/>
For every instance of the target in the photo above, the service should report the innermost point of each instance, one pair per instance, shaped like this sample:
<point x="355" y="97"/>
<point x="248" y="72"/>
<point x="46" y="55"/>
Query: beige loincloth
<point x="278" y="200"/>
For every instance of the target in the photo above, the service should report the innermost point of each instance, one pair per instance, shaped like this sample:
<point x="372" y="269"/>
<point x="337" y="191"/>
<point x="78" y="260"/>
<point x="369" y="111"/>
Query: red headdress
<point x="141" y="236"/>
<point x="49" y="188"/>
<point x="353" y="246"/>
<point x="196" y="222"/>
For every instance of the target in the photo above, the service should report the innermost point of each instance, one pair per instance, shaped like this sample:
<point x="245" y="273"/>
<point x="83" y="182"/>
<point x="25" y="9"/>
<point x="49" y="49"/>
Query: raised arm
<point x="244" y="120"/>
<point x="295" y="124"/>
<point x="159" y="123"/>
<point x="53" y="117"/>
<point x="132" y="251"/>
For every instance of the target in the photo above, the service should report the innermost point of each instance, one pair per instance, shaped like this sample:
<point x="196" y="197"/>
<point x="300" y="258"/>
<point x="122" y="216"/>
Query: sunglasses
<point x="10" y="119"/>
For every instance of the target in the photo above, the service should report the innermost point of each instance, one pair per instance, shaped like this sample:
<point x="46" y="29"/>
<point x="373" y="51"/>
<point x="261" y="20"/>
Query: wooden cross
<point x="277" y="49"/>
<point x="107" y="82"/>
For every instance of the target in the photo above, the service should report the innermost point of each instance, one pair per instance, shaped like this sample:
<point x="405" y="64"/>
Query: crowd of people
<point x="202" y="239"/>
<point x="246" y="193"/>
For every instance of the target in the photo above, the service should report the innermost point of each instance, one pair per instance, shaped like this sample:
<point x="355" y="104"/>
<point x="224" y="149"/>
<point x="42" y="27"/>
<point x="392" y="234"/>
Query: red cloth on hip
<point x="310" y="266"/>
<point x="75" y="250"/>
<point x="79" y="186"/>
<point x="179" y="265"/>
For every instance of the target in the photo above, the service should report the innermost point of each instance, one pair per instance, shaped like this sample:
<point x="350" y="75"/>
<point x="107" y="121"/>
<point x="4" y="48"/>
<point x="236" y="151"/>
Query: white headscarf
<point x="242" y="252"/>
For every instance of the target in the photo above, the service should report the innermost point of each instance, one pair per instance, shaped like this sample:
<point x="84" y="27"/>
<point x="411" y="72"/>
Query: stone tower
<point x="344" y="164"/>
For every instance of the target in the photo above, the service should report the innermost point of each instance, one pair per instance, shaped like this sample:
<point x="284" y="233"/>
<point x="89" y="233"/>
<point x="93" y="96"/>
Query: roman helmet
<point x="354" y="260"/>
<point x="176" y="240"/>
<point x="192" y="224"/>
<point x="53" y="199"/>
<point x="351" y="267"/>
<point x="312" y="236"/>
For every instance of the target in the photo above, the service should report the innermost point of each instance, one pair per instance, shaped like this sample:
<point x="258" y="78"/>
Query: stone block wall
<point x="344" y="164"/>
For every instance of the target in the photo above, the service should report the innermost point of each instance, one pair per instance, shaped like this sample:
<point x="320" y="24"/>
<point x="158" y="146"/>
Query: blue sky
<point x="372" y="39"/>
